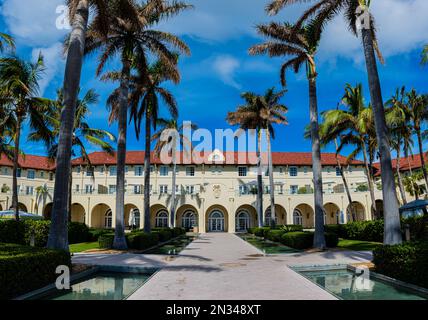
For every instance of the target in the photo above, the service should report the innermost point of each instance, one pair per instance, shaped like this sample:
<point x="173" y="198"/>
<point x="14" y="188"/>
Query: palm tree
<point x="358" y="17"/>
<point x="79" y="16"/>
<point x="401" y="132"/>
<point x="424" y="59"/>
<point x="411" y="184"/>
<point x="6" y="41"/>
<point x="355" y="126"/>
<point x="175" y="139"/>
<point x="130" y="36"/>
<point x="42" y="195"/>
<point x="417" y="110"/>
<point x="83" y="133"/>
<point x="301" y="45"/>
<point x="145" y="105"/>
<point x="19" y="80"/>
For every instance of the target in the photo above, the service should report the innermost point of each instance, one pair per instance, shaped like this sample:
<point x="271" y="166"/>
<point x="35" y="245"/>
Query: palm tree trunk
<point x="415" y="192"/>
<point x="370" y="184"/>
<point x="271" y="181"/>
<point x="70" y="192"/>
<point x="174" y="182"/>
<point x="15" y="203"/>
<point x="391" y="214"/>
<point x="58" y="234"/>
<point x="119" y="242"/>
<point x="345" y="183"/>
<point x="421" y="155"/>
<point x="400" y="180"/>
<point x="319" y="238"/>
<point x="260" y="182"/>
<point x="147" y="226"/>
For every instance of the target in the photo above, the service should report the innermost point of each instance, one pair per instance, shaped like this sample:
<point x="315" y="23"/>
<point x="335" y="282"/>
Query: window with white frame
<point x="138" y="171"/>
<point x="138" y="189"/>
<point x="190" y="189"/>
<point x="42" y="174"/>
<point x="31" y="174"/>
<point x="108" y="219"/>
<point x="164" y="170"/>
<point x="243" y="189"/>
<point x="190" y="171"/>
<point x="293" y="171"/>
<point x="29" y="190"/>
<point x="338" y="171"/>
<point x="242" y="171"/>
<point x="89" y="188"/>
<point x="163" y="189"/>
<point x="18" y="173"/>
<point x="113" y="171"/>
<point x="294" y="189"/>
<point x="90" y="172"/>
<point x="161" y="220"/>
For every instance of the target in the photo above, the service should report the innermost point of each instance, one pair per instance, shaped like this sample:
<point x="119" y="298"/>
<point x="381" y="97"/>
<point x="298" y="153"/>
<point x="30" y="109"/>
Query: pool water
<point x="266" y="246"/>
<point x="173" y="247"/>
<point x="346" y="285"/>
<point x="101" y="286"/>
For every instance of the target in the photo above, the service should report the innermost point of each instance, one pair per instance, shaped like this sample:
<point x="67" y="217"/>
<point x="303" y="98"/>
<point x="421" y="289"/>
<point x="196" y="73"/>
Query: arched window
<point x="242" y="221"/>
<point x="189" y="219"/>
<point x="137" y="218"/>
<point x="269" y="217"/>
<point x="108" y="219"/>
<point x="297" y="218"/>
<point x="161" y="219"/>
<point x="216" y="221"/>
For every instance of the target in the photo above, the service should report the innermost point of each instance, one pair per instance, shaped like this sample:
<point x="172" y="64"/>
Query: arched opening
<point x="47" y="211"/>
<point x="187" y="217"/>
<point x="280" y="215"/>
<point x="245" y="218"/>
<point x="161" y="219"/>
<point x="356" y="212"/>
<point x="132" y="218"/>
<point x="297" y="218"/>
<point x="217" y="219"/>
<point x="1" y="208"/>
<point x="331" y="213"/>
<point x="308" y="215"/>
<point x="379" y="208"/>
<point x="102" y="216"/>
<point x="78" y="213"/>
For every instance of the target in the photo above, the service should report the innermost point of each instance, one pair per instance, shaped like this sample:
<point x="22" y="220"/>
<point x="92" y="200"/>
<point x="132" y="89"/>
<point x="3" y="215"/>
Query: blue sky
<point x="219" y="33"/>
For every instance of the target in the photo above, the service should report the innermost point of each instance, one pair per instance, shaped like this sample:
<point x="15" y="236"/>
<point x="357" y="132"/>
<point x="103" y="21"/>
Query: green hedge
<point x="12" y="231"/>
<point x="23" y="268"/>
<point x="418" y="227"/>
<point x="176" y="232"/>
<point x="298" y="240"/>
<point x="275" y="235"/>
<point x="141" y="240"/>
<point x="407" y="262"/>
<point x="259" y="232"/>
<point x="95" y="233"/>
<point x="359" y="230"/>
<point x="164" y="234"/>
<point x="331" y="239"/>
<point x="105" y="241"/>
<point x="292" y="227"/>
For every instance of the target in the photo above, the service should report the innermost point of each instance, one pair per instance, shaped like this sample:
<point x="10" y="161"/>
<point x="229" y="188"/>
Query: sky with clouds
<point x="219" y="33"/>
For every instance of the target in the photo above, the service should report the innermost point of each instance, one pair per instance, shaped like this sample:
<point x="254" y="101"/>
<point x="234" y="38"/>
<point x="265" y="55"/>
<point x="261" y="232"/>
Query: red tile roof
<point x="279" y="158"/>
<point x="29" y="162"/>
<point x="412" y="162"/>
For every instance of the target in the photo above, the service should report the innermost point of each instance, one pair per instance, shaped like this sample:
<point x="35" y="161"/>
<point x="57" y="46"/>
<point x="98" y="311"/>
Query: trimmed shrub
<point x="363" y="230"/>
<point x="406" y="262"/>
<point x="12" y="231"/>
<point x="78" y="232"/>
<point x="141" y="240"/>
<point x="292" y="228"/>
<point x="40" y="230"/>
<point x="23" y="268"/>
<point x="164" y="234"/>
<point x="418" y="227"/>
<point x="331" y="239"/>
<point x="176" y="232"/>
<point x="298" y="240"/>
<point x="275" y="235"/>
<point x="105" y="241"/>
<point x="95" y="233"/>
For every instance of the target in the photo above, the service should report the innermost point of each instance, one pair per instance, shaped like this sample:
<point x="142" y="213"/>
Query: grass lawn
<point x="358" y="245"/>
<point x="80" y="247"/>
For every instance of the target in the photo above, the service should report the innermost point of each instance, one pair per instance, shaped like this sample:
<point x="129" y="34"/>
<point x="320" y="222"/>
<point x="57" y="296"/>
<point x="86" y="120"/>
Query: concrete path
<point x="224" y="267"/>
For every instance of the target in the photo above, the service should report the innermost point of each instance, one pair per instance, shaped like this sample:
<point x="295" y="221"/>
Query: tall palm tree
<point x="19" y="80"/>
<point x="417" y="110"/>
<point x="325" y="11"/>
<point x="79" y="17"/>
<point x="301" y="45"/>
<point x="145" y="105"/>
<point x="176" y="139"/>
<point x="42" y="195"/>
<point x="131" y="38"/>
<point x="83" y="133"/>
<point x="355" y="126"/>
<point x="401" y="133"/>
<point x="6" y="41"/>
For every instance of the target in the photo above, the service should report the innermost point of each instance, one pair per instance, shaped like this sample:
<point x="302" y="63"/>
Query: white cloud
<point x="53" y="61"/>
<point x="225" y="67"/>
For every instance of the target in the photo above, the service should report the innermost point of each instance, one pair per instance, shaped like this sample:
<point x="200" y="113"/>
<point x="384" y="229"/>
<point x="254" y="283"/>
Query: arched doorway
<point x="161" y="219"/>
<point x="308" y="215"/>
<point x="216" y="221"/>
<point x="187" y="217"/>
<point x="243" y="221"/>
<point x="280" y="215"/>
<point x="77" y="213"/>
<point x="356" y="212"/>
<point x="47" y="211"/>
<point x="131" y="210"/>
<point x="332" y="214"/>
<point x="379" y="208"/>
<point x="102" y="217"/>
<point x="297" y="218"/>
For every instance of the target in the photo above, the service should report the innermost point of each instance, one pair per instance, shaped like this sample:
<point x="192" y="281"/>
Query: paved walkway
<point x="224" y="267"/>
